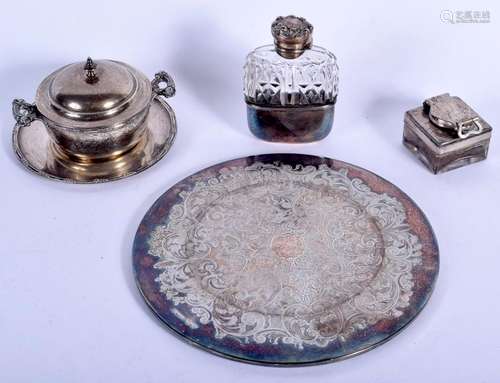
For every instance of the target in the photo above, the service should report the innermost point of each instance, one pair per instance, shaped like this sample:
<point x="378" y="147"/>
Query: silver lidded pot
<point x="94" y="111"/>
<point x="290" y="86"/>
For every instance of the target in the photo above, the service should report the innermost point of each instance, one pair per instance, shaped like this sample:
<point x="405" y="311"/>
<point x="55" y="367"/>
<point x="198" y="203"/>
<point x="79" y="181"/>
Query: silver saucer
<point x="37" y="152"/>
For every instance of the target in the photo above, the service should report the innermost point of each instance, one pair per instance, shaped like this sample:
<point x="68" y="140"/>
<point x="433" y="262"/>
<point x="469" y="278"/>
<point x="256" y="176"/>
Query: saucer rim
<point x="34" y="169"/>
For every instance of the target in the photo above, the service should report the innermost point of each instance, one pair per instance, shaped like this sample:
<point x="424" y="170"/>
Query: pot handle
<point x="24" y="112"/>
<point x="168" y="89"/>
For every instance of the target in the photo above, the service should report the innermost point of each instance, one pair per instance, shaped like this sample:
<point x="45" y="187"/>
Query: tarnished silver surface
<point x="94" y="112"/>
<point x="294" y="258"/>
<point x="37" y="151"/>
<point x="270" y="253"/>
<point x="285" y="259"/>
<point x="445" y="133"/>
<point x="452" y="113"/>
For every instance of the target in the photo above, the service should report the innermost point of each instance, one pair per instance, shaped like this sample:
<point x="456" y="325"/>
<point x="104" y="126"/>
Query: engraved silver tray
<point x="285" y="259"/>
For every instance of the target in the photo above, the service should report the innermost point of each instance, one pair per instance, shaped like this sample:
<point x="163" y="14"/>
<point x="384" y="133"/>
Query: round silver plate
<point x="36" y="151"/>
<point x="285" y="259"/>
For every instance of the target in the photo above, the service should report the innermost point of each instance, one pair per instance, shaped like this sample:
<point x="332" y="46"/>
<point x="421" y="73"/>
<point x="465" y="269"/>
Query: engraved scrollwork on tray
<point x="302" y="255"/>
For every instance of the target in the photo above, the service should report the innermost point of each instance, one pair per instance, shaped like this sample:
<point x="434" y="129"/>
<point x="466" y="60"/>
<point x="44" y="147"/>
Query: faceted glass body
<point x="310" y="79"/>
<point x="290" y="100"/>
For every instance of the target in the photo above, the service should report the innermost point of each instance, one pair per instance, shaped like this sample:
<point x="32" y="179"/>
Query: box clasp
<point x="451" y="113"/>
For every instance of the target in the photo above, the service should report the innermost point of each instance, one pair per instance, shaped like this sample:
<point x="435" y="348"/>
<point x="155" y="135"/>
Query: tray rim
<point x="326" y="360"/>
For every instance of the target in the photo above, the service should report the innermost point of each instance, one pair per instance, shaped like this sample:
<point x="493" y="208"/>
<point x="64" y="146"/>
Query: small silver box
<point x="446" y="133"/>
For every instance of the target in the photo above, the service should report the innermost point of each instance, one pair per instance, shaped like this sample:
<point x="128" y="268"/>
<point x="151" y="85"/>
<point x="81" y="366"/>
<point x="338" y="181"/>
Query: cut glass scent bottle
<point x="291" y="87"/>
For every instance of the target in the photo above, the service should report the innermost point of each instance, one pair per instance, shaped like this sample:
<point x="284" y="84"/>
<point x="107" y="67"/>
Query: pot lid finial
<point x="90" y="75"/>
<point x="93" y="89"/>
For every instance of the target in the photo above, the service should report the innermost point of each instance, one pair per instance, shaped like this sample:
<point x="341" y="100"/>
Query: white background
<point x="69" y="309"/>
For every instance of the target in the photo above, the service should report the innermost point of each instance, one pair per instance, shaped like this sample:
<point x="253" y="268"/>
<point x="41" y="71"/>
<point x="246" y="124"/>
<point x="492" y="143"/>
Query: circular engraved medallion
<point x="285" y="259"/>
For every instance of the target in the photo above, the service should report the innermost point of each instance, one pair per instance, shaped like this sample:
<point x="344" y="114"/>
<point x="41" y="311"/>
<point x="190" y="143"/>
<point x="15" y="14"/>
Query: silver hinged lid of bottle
<point x="292" y="35"/>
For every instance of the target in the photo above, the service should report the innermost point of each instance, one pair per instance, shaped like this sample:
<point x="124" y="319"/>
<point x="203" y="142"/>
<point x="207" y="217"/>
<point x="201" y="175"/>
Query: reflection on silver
<point x="95" y="115"/>
<point x="269" y="253"/>
<point x="36" y="150"/>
